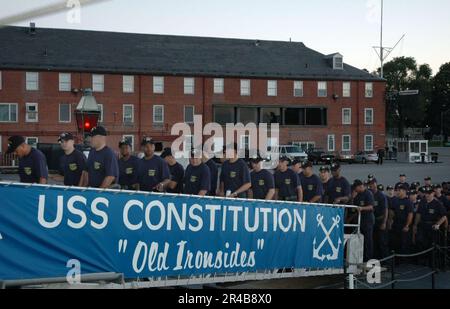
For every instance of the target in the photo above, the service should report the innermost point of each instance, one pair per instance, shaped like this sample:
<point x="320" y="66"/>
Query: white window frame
<point x="65" y="82"/>
<point x="188" y="143"/>
<point x="162" y="114"/>
<point x="124" y="137"/>
<point x="27" y="118"/>
<point x="335" y="67"/>
<point x="347" y="109"/>
<point x="70" y="113"/>
<point x="298" y="86"/>
<point x="32" y="81"/>
<point x="366" y="110"/>
<point x="219" y="85"/>
<point x="365" y="143"/>
<point x="246" y="87"/>
<point x="349" y="143"/>
<point x="368" y="90"/>
<point x="100" y="118"/>
<point x="346" y="91"/>
<point x="98" y="83"/>
<point x="193" y="113"/>
<point x="189" y="85"/>
<point x="17" y="113"/>
<point x="319" y="89"/>
<point x="218" y="143"/>
<point x="243" y="144"/>
<point x="128" y="83"/>
<point x="158" y="84"/>
<point x="1" y="87"/>
<point x="272" y="88"/>
<point x="1" y="145"/>
<point x="331" y="137"/>
<point x="27" y="140"/>
<point x="123" y="113"/>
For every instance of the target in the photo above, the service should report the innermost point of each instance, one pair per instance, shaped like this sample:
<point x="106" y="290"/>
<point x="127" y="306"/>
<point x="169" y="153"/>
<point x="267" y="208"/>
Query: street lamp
<point x="87" y="114"/>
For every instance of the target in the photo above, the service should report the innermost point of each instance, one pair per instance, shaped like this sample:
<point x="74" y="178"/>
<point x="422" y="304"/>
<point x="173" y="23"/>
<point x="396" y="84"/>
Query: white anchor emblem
<point x="316" y="250"/>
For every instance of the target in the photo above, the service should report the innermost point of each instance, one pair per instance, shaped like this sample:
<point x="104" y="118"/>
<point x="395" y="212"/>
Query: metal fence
<point x="8" y="160"/>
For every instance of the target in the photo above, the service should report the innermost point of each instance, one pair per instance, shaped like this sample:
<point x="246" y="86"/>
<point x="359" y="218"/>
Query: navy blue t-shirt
<point x="364" y="199"/>
<point x="401" y="208"/>
<point x="33" y="167"/>
<point x="262" y="182"/>
<point x="380" y="206"/>
<point x="325" y="197"/>
<point x="102" y="164"/>
<point x="430" y="213"/>
<point x="177" y="175"/>
<point x="287" y="183"/>
<point x="235" y="175"/>
<point x="197" y="178"/>
<point x="312" y="186"/>
<point x="152" y="172"/>
<point x="128" y="172"/>
<point x="72" y="167"/>
<point x="338" y="187"/>
<point x="214" y="171"/>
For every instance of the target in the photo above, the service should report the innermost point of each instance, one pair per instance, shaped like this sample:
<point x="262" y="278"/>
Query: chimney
<point x="32" y="28"/>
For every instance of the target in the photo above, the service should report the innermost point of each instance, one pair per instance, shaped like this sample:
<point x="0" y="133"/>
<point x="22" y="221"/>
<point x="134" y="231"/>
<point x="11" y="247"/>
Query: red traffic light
<point x="87" y="125"/>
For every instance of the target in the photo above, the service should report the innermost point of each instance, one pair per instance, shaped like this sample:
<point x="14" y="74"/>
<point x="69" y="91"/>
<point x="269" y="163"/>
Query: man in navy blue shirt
<point x="324" y="175"/>
<point x="263" y="185"/>
<point x="311" y="184"/>
<point x="176" y="172"/>
<point x="154" y="174"/>
<point x="128" y="167"/>
<point x="32" y="162"/>
<point x="402" y="181"/>
<point x="338" y="187"/>
<point x="381" y="211"/>
<point x="401" y="217"/>
<point x="102" y="167"/>
<point x="287" y="183"/>
<point x="235" y="177"/>
<point x="214" y="172"/>
<point x="72" y="163"/>
<point x="197" y="180"/>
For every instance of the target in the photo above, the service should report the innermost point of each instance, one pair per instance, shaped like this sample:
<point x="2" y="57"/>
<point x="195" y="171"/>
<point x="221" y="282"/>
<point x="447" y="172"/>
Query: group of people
<point x="398" y="218"/>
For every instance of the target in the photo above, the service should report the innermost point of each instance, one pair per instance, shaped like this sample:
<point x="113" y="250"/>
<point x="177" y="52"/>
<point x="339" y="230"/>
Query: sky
<point x="350" y="27"/>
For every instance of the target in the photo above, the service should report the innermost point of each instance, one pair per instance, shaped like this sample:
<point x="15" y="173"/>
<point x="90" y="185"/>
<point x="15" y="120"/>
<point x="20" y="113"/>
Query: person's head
<point x="373" y="184"/>
<point x="390" y="191"/>
<point x="67" y="142"/>
<point x="195" y="158"/>
<point x="448" y="195"/>
<point x="231" y="152"/>
<point x="336" y="169"/>
<point x="307" y="168"/>
<point x="297" y="166"/>
<point x="412" y="195"/>
<point x="283" y="163"/>
<point x="437" y="190"/>
<point x="98" y="137"/>
<point x="324" y="173"/>
<point x="168" y="157"/>
<point x="358" y="186"/>
<point x="17" y="145"/>
<point x="429" y="193"/>
<point x="125" y="148"/>
<point x="402" y="178"/>
<point x="148" y="147"/>
<point x="428" y="181"/>
<point x="402" y="191"/>
<point x="256" y="163"/>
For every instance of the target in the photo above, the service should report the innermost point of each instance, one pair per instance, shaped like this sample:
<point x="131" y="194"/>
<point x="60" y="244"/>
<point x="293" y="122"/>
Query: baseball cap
<point x="147" y="140"/>
<point x="372" y="180"/>
<point x="427" y="178"/>
<point x="402" y="175"/>
<point x="335" y="166"/>
<point x="98" y="131"/>
<point x="297" y="161"/>
<point x="412" y="192"/>
<point x="402" y="187"/>
<point x="307" y="164"/>
<point x="389" y="188"/>
<point x="357" y="183"/>
<point x="124" y="142"/>
<point x="65" y="137"/>
<point x="324" y="169"/>
<point x="371" y="176"/>
<point x="428" y="190"/>
<point x="166" y="152"/>
<point x="380" y="187"/>
<point x="284" y="159"/>
<point x="14" y="142"/>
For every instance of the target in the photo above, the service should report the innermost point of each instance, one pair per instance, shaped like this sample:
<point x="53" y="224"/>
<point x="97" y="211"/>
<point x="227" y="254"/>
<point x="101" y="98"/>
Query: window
<point x="128" y="113"/>
<point x="272" y="88"/>
<point x="369" y="90"/>
<point x="100" y="118"/>
<point x="1" y="87"/>
<point x="8" y="112"/>
<point x="271" y="115"/>
<point x="158" y="84"/>
<point x="189" y="85"/>
<point x="65" y="82"/>
<point x="304" y="146"/>
<point x="368" y="143"/>
<point x="338" y="62"/>
<point x="188" y="143"/>
<point x="298" y="89"/>
<point x="315" y="116"/>
<point x="346" y="89"/>
<point x="65" y="113"/>
<point x="368" y="116"/>
<point x="32" y="141"/>
<point x="247" y="115"/>
<point x="189" y="112"/>
<point x="224" y="115"/>
<point x="294" y="116"/>
<point x="158" y="114"/>
<point x="346" y="116"/>
<point x="130" y="139"/>
<point x="217" y="144"/>
<point x="218" y="85"/>
<point x="32" y="81"/>
<point x="1" y="145"/>
<point x="98" y="83"/>
<point x="346" y="143"/>
<point x="322" y="89"/>
<point x="244" y="142"/>
<point x="245" y="87"/>
<point x="128" y="84"/>
<point x="331" y="143"/>
<point x="31" y="112"/>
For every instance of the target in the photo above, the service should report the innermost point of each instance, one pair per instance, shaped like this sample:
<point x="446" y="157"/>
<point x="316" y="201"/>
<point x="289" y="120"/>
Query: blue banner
<point x="44" y="232"/>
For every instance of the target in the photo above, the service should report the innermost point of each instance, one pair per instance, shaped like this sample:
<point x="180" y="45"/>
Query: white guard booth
<point x="413" y="151"/>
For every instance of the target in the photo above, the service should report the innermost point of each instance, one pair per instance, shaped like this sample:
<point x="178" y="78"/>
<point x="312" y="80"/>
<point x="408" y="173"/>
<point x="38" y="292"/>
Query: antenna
<point x="380" y="50"/>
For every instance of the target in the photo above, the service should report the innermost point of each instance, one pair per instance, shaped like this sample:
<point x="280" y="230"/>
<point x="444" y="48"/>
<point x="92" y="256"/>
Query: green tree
<point x="439" y="109"/>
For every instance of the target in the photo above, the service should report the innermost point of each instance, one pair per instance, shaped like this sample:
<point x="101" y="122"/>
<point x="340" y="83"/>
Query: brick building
<point x="146" y="83"/>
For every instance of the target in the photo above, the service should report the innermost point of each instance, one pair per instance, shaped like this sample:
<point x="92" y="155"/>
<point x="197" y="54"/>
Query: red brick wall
<point x="49" y="97"/>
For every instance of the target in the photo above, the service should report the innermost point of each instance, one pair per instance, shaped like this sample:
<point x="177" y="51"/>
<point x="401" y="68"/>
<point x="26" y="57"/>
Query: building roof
<point x="126" y="53"/>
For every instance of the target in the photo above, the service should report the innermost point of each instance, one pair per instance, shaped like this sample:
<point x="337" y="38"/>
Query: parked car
<point x="346" y="156"/>
<point x="292" y="152"/>
<point x="318" y="155"/>
<point x="365" y="157"/>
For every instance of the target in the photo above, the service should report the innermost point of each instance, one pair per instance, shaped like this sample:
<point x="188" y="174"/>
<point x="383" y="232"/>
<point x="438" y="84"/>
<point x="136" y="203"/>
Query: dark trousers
<point x="400" y="241"/>
<point x="380" y="160"/>
<point x="367" y="231"/>
<point x="380" y="243"/>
